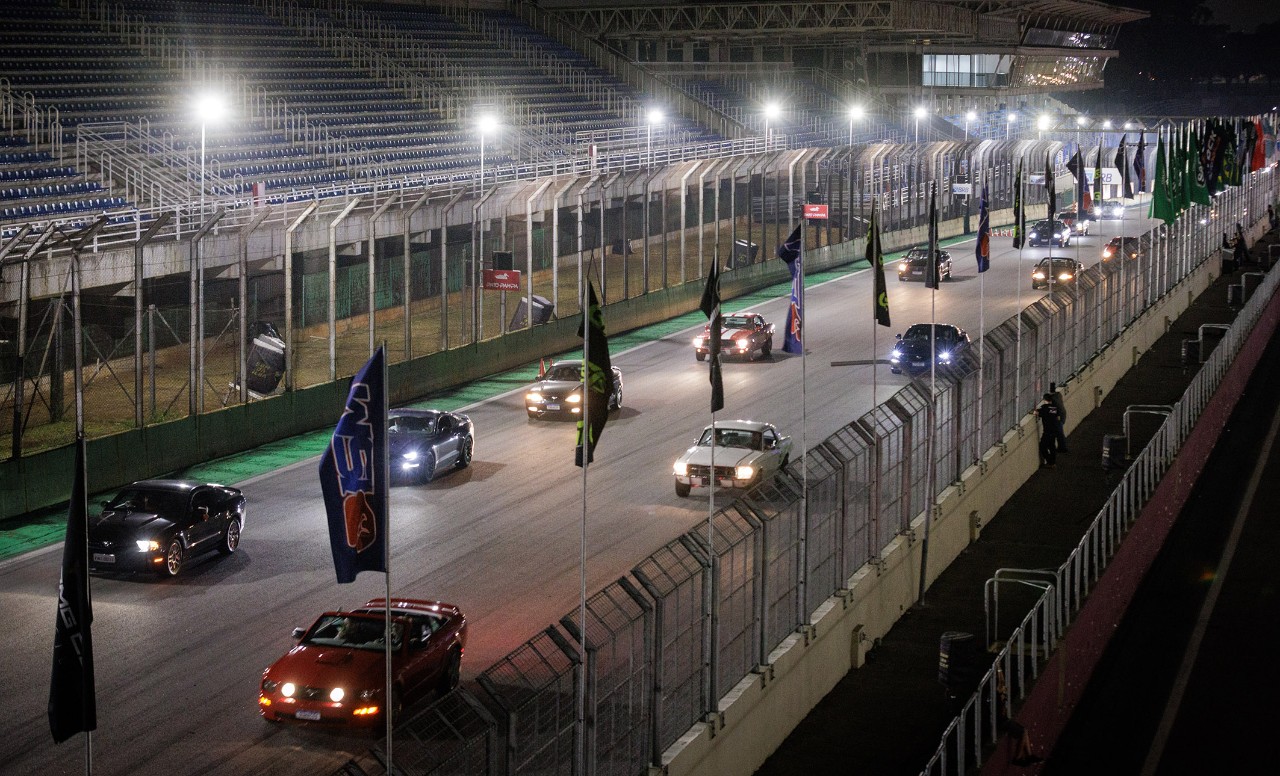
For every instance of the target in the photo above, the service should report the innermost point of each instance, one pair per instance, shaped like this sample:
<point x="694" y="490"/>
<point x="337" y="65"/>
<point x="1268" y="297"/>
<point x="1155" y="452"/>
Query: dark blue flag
<point x="790" y="251"/>
<point x="711" y="308"/>
<point x="353" y="476"/>
<point x="1140" y="162"/>
<point x="983" y="248"/>
<point x="72" y="700"/>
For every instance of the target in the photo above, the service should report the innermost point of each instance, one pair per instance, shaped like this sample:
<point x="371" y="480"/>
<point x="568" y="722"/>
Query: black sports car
<point x="422" y="442"/>
<point x="559" y="392"/>
<point x="1046" y="233"/>
<point x="911" y="354"/>
<point x="156" y="525"/>
<point x="915" y="265"/>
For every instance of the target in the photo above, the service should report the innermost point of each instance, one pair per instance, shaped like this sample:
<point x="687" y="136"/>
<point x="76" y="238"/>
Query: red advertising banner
<point x="502" y="280"/>
<point x="815" y="211"/>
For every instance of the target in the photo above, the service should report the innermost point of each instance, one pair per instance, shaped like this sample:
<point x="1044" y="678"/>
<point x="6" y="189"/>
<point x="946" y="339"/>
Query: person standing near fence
<point x="1050" y="428"/>
<point x="1060" y="442"/>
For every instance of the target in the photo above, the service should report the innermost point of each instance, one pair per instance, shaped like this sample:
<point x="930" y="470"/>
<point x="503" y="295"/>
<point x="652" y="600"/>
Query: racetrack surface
<point x="178" y="661"/>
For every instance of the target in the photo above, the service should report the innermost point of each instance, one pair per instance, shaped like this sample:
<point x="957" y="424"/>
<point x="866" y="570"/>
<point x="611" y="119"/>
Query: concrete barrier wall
<point x="762" y="709"/>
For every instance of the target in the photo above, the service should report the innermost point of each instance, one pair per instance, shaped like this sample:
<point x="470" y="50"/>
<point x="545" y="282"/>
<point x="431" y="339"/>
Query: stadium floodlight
<point x="771" y="111"/>
<point x="968" y="119"/>
<point x="486" y="124"/>
<point x="1081" y="121"/>
<point x="654" y="116"/>
<point x="1008" y="125"/>
<point x="920" y="113"/>
<point x="210" y="108"/>
<point x="856" y="113"/>
<point x="1106" y="124"/>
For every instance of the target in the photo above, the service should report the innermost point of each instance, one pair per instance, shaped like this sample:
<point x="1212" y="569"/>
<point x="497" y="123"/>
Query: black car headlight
<point x="410" y="455"/>
<point x="895" y="356"/>
<point x="148" y="545"/>
<point x="533" y="397"/>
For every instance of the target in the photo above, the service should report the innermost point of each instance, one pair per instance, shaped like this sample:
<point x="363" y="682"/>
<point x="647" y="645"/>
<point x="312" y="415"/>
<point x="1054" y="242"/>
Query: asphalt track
<point x="177" y="662"/>
<point x="1186" y="685"/>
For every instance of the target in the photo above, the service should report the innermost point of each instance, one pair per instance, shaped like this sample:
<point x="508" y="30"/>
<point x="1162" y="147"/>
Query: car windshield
<point x="164" y="502"/>
<point x="920" y="331"/>
<point x="732" y="437"/>
<point x="399" y="424"/>
<point x="917" y="255"/>
<point x="567" y="372"/>
<point x="340" y="630"/>
<point x="1059" y="265"/>
<point x="737" y="322"/>
<point x="1045" y="225"/>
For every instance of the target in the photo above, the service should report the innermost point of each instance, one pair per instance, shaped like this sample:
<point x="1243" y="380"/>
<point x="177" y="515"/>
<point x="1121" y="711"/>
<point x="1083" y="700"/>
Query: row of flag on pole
<point x="1196" y="162"/>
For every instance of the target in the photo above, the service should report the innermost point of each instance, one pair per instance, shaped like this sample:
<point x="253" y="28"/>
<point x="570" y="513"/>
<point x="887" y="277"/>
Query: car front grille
<point x="697" y="470"/>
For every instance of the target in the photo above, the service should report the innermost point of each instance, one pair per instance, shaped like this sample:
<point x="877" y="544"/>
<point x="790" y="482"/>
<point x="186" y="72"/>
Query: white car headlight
<point x="148" y="545"/>
<point x="1038" y="275"/>
<point x="575" y="398"/>
<point x="288" y="689"/>
<point x="1064" y="276"/>
<point x="336" y="694"/>
<point x="411" y="455"/>
<point x="902" y="267"/>
<point x="895" y="356"/>
<point x="944" y="356"/>
<point x="681" y="469"/>
<point x="533" y="397"/>
<point x="697" y="341"/>
<point x="744" y="472"/>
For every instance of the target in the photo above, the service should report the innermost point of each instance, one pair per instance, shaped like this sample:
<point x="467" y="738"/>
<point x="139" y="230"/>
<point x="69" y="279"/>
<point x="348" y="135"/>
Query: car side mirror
<point x="298" y="633"/>
<point x="897" y="336"/>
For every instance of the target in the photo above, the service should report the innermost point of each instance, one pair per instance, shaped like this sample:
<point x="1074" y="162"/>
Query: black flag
<point x="710" y="307"/>
<point x="1122" y="164"/>
<point x="597" y="383"/>
<point x="932" y="271"/>
<point x="1050" y="188"/>
<point x="876" y="259"/>
<point x="72" y="699"/>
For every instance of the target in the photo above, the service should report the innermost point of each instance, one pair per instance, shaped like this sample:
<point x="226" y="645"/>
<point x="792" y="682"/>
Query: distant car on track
<point x="746" y="452"/>
<point x="335" y="674"/>
<point x="1078" y="226"/>
<point x="157" y="525"/>
<point x="559" y="392"/>
<point x="911" y="354"/>
<point x="1111" y="208"/>
<point x="423" y="442"/>
<point x="742" y="334"/>
<point x="915" y="265"/>
<point x="1132" y="248"/>
<point x="1046" y="233"/>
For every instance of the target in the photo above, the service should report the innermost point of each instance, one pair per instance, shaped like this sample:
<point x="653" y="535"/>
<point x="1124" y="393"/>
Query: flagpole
<point x="934" y="274"/>
<point x="875" y="348"/>
<point x="385" y="497"/>
<point x="804" y="428"/>
<point x="983" y="204"/>
<point x="585" y="435"/>
<point x="1019" y="228"/>
<point x="78" y="382"/>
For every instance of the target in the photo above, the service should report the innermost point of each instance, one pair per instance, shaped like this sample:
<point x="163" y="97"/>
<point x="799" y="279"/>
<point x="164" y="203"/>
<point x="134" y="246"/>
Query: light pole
<point x="856" y="113"/>
<point x="1042" y="124"/>
<point x="654" y="117"/>
<point x="920" y="113"/>
<point x="485" y="124"/>
<point x="210" y="109"/>
<point x="771" y="111"/>
<point x="1008" y="124"/>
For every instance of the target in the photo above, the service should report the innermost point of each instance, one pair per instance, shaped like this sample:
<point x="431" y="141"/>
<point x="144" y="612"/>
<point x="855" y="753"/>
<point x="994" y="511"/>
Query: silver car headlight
<point x="681" y="469"/>
<point x="533" y="397"/>
<point x="744" y="472"/>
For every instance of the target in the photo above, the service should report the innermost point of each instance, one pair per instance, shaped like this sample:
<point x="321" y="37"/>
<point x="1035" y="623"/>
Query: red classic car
<point x="741" y="334"/>
<point x="336" y="673"/>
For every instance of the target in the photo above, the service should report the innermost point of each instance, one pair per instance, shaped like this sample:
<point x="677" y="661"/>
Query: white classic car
<point x="746" y="452"/>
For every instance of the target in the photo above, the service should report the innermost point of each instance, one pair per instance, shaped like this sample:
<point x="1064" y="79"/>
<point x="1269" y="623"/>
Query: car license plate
<point x="103" y="557"/>
<point x="553" y="406"/>
<point x="312" y="716"/>
<point x="919" y="363"/>
<point x="917" y="272"/>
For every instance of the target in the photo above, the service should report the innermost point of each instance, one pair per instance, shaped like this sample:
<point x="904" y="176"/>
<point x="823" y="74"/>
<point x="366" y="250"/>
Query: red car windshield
<point x="353" y="632"/>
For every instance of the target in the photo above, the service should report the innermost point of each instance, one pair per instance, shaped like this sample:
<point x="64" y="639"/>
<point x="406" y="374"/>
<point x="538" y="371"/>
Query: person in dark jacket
<point x="1056" y="397"/>
<point x="1050" y="428"/>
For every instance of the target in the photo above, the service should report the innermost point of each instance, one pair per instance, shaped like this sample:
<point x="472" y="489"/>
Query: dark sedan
<point x="1055" y="272"/>
<point x="424" y="442"/>
<point x="1046" y="233"/>
<point x="915" y="265"/>
<point x="559" y="392"/>
<point x="911" y="354"/>
<point x="156" y="525"/>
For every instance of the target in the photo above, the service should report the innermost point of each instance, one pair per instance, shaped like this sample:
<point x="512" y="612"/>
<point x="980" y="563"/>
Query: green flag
<point x="1019" y="215"/>
<point x="1161" y="199"/>
<point x="1176" y="170"/>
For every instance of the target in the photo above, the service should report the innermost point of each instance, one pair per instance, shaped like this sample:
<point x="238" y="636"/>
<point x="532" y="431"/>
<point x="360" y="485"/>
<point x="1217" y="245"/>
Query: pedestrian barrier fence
<point x="662" y="647"/>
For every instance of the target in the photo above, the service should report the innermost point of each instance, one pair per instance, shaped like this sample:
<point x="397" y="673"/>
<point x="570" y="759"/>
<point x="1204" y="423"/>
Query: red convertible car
<point x="741" y="334"/>
<point x="335" y="674"/>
